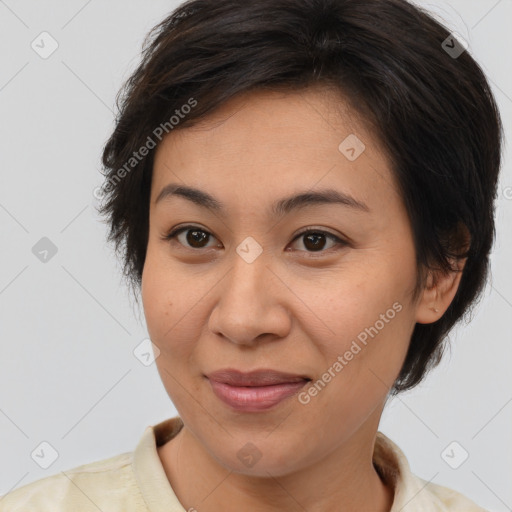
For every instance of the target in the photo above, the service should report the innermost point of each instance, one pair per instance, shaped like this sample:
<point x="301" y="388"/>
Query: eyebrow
<point x="279" y="208"/>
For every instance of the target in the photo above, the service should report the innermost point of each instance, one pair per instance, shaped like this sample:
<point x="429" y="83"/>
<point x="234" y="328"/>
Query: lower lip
<point x="253" y="399"/>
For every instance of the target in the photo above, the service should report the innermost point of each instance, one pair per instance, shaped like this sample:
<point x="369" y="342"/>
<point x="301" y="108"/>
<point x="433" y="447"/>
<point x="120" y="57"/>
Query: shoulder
<point x="107" y="484"/>
<point x="412" y="493"/>
<point x="446" y="499"/>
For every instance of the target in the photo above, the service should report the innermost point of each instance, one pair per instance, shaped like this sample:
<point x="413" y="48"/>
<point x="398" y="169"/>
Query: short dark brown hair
<point x="432" y="109"/>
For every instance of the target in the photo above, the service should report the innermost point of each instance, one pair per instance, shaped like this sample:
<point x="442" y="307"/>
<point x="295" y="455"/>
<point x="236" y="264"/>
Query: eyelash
<point x="175" y="232"/>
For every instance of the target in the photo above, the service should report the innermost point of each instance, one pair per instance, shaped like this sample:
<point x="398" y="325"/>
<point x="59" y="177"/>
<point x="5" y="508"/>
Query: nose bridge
<point x="248" y="305"/>
<point x="249" y="272"/>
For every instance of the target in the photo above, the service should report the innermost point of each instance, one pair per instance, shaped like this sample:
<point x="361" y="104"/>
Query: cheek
<point x="363" y="323"/>
<point x="358" y="365"/>
<point x="158" y="290"/>
<point x="172" y="301"/>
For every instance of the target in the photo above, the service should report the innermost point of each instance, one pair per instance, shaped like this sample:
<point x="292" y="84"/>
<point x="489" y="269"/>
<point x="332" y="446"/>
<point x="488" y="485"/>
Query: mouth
<point x="254" y="391"/>
<point x="258" y="378"/>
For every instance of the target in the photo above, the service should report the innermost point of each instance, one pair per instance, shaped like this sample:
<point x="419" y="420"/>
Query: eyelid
<point x="339" y="241"/>
<point x="173" y="233"/>
<point x="314" y="229"/>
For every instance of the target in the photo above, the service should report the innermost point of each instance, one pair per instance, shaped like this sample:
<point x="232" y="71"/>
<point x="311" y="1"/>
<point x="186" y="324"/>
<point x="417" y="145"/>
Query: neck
<point x="344" y="480"/>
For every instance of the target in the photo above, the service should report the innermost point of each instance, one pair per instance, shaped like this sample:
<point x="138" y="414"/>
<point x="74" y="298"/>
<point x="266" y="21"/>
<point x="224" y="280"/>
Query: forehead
<point x="278" y="141"/>
<point x="316" y="116"/>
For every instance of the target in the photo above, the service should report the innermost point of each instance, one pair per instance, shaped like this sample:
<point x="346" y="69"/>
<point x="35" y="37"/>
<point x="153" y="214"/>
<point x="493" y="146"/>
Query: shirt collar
<point x="411" y="493"/>
<point x="149" y="472"/>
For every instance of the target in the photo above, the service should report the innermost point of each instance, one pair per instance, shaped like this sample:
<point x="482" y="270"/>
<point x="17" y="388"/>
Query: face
<point x="242" y="287"/>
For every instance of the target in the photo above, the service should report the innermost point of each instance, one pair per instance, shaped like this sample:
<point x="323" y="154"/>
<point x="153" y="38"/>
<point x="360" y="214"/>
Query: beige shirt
<point x="136" y="482"/>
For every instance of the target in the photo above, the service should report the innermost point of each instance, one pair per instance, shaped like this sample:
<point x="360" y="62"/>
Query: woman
<point x="303" y="194"/>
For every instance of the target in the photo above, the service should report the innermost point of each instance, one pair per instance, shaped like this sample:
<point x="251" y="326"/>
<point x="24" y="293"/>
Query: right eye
<point x="194" y="236"/>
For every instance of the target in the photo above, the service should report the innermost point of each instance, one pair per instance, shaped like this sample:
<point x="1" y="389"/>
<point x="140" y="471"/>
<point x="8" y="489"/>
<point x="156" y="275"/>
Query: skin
<point x="206" y="308"/>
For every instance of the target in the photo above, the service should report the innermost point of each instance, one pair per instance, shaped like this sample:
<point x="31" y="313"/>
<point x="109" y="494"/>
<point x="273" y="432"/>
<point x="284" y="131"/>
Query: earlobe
<point x="438" y="294"/>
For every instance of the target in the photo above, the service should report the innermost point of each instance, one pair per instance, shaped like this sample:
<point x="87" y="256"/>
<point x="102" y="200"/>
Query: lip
<point x="257" y="390"/>
<point x="262" y="377"/>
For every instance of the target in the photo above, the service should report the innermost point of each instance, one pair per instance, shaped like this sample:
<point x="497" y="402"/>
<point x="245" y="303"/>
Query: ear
<point x="441" y="286"/>
<point x="438" y="293"/>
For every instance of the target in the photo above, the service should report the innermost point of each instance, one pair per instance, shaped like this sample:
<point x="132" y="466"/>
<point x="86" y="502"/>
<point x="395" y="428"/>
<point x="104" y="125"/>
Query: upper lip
<point x="263" y="377"/>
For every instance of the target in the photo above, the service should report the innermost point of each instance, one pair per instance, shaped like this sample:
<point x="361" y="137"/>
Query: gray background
<point x="68" y="374"/>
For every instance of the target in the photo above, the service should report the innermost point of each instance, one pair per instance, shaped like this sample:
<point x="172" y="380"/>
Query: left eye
<point x="313" y="239"/>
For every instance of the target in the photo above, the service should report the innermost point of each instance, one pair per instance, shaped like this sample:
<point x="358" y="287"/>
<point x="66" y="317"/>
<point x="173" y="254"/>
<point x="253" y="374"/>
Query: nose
<point x="251" y="304"/>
